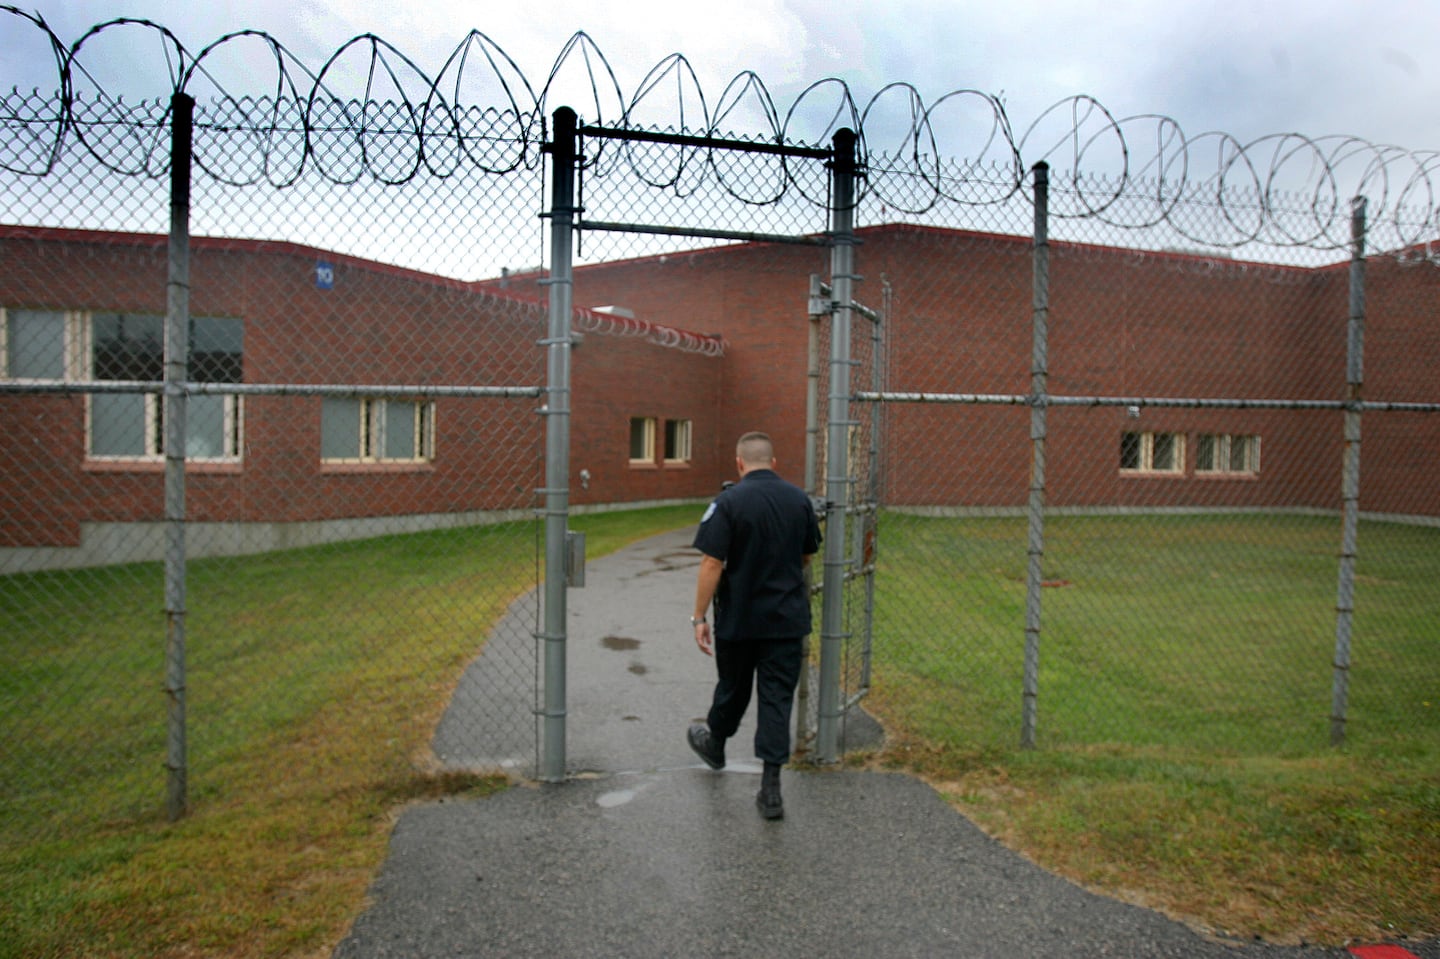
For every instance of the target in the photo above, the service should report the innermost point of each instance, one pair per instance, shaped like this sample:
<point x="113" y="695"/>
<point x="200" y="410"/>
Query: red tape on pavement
<point x="1382" y="952"/>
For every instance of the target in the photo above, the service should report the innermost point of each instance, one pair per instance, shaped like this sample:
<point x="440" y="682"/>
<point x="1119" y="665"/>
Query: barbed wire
<point x="274" y="120"/>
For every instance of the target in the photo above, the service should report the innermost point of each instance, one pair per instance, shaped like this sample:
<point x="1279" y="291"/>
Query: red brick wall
<point x="1122" y="324"/>
<point x="756" y="297"/>
<point x="377" y="325"/>
<point x="43" y="487"/>
<point x="1399" y="451"/>
<point x="616" y="378"/>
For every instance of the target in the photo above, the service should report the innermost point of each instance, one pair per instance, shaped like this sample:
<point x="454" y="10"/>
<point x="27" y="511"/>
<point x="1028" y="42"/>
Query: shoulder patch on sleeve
<point x="709" y="512"/>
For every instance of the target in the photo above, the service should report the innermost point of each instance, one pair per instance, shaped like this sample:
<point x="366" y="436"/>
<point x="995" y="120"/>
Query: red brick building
<point x="679" y="354"/>
<point x="1123" y="323"/>
<point x="82" y="307"/>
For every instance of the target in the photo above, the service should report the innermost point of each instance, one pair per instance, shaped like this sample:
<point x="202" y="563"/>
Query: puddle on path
<point x="620" y="643"/>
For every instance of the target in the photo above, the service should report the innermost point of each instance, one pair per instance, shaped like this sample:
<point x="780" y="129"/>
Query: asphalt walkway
<point x="646" y="852"/>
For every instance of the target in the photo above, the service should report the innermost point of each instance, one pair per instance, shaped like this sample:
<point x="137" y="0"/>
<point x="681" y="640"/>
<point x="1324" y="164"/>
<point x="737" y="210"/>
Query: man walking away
<point x="757" y="538"/>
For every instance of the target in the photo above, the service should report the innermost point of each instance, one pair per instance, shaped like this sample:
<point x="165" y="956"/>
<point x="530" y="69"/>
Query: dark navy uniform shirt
<point x="761" y="529"/>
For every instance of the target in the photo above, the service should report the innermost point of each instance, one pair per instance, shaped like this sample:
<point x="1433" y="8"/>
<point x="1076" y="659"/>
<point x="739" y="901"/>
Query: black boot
<point x="768" y="798"/>
<point x="707" y="747"/>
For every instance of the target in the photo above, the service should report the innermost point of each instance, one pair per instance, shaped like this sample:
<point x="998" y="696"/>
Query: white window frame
<point x="648" y="426"/>
<point x="1147" y="448"/>
<point x="371" y="440"/>
<point x="73" y="350"/>
<point x="80" y="363"/>
<point x="232" y="429"/>
<point x="1224" y="448"/>
<point x="422" y="431"/>
<point x="682" y="433"/>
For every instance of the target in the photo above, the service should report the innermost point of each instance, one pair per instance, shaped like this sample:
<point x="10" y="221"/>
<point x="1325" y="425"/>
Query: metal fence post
<point x="560" y="289"/>
<point x="1039" y="400"/>
<point x="177" y="375"/>
<point x="1350" y="476"/>
<point x="832" y="620"/>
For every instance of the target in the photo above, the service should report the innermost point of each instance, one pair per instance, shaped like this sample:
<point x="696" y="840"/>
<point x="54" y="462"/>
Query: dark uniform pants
<point x="772" y="668"/>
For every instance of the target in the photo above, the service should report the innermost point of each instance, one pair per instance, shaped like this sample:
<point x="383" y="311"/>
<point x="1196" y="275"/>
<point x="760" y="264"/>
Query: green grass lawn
<point x="1183" y="710"/>
<point x="1183" y="722"/>
<point x="1205" y="632"/>
<point x="315" y="679"/>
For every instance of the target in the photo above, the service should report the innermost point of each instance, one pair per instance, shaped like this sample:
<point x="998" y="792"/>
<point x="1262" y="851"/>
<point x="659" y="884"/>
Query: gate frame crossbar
<point x="1157" y="402"/>
<point x="707" y="143"/>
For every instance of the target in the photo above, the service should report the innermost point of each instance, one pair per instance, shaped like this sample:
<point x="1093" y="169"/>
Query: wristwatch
<point x="696" y="620"/>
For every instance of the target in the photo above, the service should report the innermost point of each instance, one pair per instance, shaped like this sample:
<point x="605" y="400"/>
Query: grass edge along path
<point x="1329" y="850"/>
<point x="1219" y="801"/>
<point x="1304" y="847"/>
<point x="278" y="861"/>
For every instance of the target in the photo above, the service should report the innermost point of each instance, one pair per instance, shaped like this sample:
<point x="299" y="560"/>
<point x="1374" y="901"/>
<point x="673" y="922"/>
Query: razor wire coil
<point x="370" y="111"/>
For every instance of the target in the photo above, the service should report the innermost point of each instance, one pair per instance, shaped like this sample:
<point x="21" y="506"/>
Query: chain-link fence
<point x="1085" y="473"/>
<point x="1123" y="479"/>
<point x="360" y="458"/>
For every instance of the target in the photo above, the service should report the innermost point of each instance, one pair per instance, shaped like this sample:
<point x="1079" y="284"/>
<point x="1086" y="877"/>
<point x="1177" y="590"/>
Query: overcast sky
<point x="1250" y="68"/>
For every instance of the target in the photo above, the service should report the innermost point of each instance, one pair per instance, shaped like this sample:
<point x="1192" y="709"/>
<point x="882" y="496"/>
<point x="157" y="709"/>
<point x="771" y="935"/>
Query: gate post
<point x="837" y="446"/>
<point x="174" y="400"/>
<point x="560" y="293"/>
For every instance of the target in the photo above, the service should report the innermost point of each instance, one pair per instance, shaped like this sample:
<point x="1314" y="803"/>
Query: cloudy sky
<point x="1250" y="68"/>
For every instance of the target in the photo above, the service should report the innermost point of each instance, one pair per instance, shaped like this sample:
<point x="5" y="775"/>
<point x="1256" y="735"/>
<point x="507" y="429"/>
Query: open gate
<point x="849" y="530"/>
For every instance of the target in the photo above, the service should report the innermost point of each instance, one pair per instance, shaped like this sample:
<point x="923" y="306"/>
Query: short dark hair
<point x="755" y="447"/>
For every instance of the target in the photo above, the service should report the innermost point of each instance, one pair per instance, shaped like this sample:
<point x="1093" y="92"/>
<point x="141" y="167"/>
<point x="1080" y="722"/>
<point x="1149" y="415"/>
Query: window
<point x="677" y="441"/>
<point x="642" y="439"/>
<point x="78" y="346"/>
<point x="129" y="346"/>
<point x="377" y="431"/>
<point x="1152" y="453"/>
<point x="1225" y="453"/>
<point x="33" y="344"/>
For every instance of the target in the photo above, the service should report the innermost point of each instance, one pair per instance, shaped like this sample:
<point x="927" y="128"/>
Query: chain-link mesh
<point x="1191" y="493"/>
<point x="364" y="452"/>
<point x="363" y="459"/>
<point x="860" y="466"/>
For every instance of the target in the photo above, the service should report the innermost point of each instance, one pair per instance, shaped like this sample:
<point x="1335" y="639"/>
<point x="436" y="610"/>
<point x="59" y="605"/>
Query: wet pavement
<point x="646" y="852"/>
